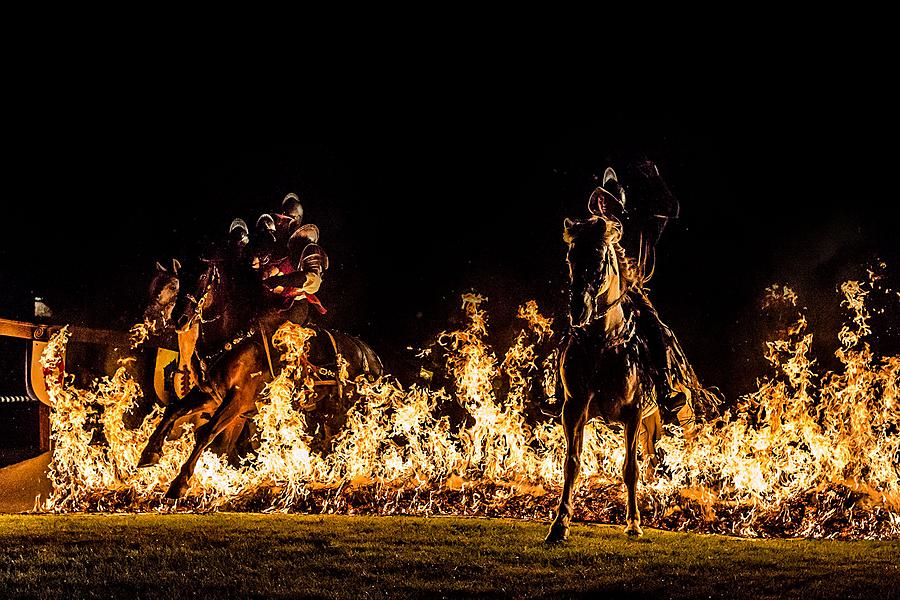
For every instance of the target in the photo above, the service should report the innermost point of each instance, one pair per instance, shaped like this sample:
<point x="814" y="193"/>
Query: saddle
<point x="321" y="362"/>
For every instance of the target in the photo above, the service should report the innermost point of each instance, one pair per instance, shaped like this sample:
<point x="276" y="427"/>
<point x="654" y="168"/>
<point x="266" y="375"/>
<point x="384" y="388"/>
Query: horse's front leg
<point x="206" y="434"/>
<point x="651" y="432"/>
<point x="238" y="401"/>
<point x="192" y="403"/>
<point x="632" y="514"/>
<point x="574" y="418"/>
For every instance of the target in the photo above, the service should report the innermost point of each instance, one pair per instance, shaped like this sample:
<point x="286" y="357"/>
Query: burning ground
<point x="806" y="454"/>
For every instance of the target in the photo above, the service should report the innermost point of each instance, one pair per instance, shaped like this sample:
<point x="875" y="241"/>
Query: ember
<point x="806" y="454"/>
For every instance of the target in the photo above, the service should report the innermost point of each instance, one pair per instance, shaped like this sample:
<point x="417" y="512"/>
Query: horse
<point x="162" y="296"/>
<point x="603" y="365"/>
<point x="238" y="372"/>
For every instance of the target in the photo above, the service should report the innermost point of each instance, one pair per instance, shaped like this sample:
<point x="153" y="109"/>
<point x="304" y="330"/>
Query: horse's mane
<point x="626" y="265"/>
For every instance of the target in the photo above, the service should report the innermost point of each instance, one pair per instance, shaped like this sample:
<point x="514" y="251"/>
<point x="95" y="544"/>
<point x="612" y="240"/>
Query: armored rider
<point x="279" y="266"/>
<point x="642" y="227"/>
<point x="289" y="263"/>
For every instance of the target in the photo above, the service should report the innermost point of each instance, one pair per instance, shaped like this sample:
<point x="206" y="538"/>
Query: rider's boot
<point x="675" y="405"/>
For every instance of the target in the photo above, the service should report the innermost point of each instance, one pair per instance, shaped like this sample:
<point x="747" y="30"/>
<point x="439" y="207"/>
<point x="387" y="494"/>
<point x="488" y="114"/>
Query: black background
<point x="421" y="196"/>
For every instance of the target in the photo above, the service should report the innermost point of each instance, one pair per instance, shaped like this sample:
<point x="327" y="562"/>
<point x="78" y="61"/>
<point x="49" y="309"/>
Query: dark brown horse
<point x="237" y="374"/>
<point x="603" y="366"/>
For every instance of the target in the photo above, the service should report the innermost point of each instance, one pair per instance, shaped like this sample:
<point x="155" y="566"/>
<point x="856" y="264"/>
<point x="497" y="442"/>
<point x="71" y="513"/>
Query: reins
<point x="211" y="278"/>
<point x="614" y="304"/>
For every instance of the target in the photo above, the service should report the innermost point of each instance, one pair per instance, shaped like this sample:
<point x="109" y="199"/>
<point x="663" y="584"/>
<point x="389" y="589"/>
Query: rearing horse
<point x="602" y="364"/>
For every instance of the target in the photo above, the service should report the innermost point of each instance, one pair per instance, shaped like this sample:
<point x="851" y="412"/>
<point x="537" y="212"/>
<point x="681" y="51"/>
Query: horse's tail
<point x="373" y="368"/>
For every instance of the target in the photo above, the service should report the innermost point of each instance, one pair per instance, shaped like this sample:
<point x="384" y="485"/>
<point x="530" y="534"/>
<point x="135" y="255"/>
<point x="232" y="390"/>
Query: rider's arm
<point x="308" y="282"/>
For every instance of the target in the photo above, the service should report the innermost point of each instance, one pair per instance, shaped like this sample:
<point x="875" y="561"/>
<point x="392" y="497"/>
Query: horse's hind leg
<point x="688" y="422"/>
<point x="573" y="419"/>
<point x="632" y="514"/>
<point x="225" y="443"/>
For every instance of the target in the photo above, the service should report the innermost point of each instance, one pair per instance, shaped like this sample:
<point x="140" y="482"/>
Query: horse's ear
<point x="160" y="268"/>
<point x="175" y="266"/>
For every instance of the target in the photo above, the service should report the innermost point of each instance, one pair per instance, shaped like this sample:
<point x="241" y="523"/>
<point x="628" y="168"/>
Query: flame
<point x="807" y="453"/>
<point x="139" y="333"/>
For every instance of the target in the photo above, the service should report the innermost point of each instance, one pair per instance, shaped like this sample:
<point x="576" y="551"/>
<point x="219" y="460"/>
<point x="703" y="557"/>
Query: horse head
<point x="202" y="299"/>
<point x="163" y="293"/>
<point x="592" y="262"/>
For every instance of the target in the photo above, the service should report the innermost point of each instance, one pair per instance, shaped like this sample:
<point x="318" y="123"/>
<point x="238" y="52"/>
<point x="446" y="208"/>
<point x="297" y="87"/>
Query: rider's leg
<point x="671" y="394"/>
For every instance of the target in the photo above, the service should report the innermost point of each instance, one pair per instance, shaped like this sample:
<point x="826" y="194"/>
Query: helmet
<point x="263" y="242"/>
<point x="265" y="222"/>
<point x="609" y="197"/>
<point x="291" y="207"/>
<point x="238" y="233"/>
<point x="305" y="234"/>
<point x="313" y="259"/>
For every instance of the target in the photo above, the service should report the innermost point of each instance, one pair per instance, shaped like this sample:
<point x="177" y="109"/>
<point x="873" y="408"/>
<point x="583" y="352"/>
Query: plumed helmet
<point x="291" y="207"/>
<point x="609" y="196"/>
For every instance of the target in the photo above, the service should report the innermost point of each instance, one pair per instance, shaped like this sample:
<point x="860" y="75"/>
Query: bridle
<point x="211" y="278"/>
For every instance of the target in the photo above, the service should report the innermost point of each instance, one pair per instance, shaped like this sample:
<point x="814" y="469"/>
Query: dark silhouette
<point x="604" y="365"/>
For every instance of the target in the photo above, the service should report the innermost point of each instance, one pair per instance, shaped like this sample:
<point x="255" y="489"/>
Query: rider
<point x="281" y="258"/>
<point x="674" y="378"/>
<point x="289" y="263"/>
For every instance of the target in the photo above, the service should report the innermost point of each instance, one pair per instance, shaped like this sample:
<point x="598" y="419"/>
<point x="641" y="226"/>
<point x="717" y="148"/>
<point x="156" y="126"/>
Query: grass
<point x="230" y="555"/>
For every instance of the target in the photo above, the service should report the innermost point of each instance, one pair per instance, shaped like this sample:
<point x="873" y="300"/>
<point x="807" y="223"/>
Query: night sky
<point x="419" y="201"/>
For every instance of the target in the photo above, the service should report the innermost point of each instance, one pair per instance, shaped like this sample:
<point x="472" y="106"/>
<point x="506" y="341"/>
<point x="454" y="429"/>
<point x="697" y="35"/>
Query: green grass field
<point x="247" y="555"/>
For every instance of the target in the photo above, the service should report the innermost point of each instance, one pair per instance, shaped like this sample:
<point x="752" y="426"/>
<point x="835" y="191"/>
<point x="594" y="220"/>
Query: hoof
<point x="149" y="460"/>
<point x="634" y="530"/>
<point x="558" y="533"/>
<point x="177" y="489"/>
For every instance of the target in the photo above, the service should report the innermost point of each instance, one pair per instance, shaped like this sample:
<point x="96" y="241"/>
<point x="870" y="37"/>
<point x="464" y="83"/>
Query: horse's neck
<point x="234" y="304"/>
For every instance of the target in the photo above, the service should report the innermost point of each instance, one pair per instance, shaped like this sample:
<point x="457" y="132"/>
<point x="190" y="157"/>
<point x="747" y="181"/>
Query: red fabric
<point x="295" y="293"/>
<point x="282" y="222"/>
<point x="284" y="267"/>
<point x="280" y="267"/>
<point x="311" y="298"/>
